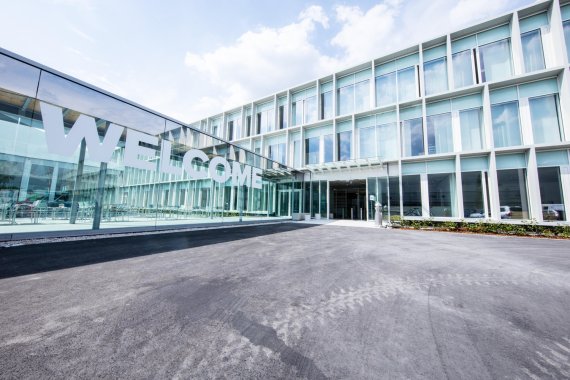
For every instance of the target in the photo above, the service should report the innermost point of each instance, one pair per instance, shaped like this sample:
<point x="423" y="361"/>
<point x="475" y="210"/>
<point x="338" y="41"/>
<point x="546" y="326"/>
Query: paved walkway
<point x="287" y="301"/>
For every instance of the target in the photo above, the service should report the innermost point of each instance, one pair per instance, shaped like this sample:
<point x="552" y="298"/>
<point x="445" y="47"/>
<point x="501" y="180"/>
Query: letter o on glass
<point x="220" y="177"/>
<point x="187" y="163"/>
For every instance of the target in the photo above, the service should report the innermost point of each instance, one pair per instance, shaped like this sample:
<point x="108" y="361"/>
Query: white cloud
<point x="262" y="61"/>
<point x="377" y="24"/>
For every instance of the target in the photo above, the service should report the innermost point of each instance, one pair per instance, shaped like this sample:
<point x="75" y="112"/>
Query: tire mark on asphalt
<point x="265" y="336"/>
<point x="435" y="340"/>
<point x="551" y="360"/>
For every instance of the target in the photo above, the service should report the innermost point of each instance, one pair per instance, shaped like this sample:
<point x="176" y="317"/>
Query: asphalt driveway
<point x="287" y="301"/>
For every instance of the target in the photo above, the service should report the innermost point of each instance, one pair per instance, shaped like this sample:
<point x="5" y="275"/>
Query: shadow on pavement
<point x="37" y="258"/>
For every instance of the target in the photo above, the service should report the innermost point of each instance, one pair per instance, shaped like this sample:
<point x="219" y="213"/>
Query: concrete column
<point x="450" y="79"/>
<point x="560" y="58"/>
<point x="535" y="203"/>
<point x="425" y="195"/>
<point x="456" y="130"/>
<point x="494" y="189"/>
<point x="459" y="188"/>
<point x="516" y="44"/>
<point x="487" y="119"/>
<point x="526" y="122"/>
<point x="565" y="180"/>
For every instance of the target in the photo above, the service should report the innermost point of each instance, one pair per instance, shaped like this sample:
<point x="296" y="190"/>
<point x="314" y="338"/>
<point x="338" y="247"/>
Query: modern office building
<point x="472" y="125"/>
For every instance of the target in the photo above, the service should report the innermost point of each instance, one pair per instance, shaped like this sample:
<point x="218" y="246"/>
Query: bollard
<point x="378" y="214"/>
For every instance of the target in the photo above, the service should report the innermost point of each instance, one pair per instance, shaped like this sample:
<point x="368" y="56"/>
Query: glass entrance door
<point x="283" y="202"/>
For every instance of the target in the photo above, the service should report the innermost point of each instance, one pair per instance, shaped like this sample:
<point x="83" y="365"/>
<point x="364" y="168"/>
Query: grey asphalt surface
<point x="287" y="301"/>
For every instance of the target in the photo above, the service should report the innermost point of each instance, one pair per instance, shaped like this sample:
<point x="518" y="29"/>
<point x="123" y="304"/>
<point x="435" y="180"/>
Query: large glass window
<point x="297" y="153"/>
<point x="411" y="195"/>
<point x="345" y="99"/>
<point x="532" y="51"/>
<point x="471" y="129"/>
<point x="386" y="89"/>
<point x="362" y="96"/>
<point x="304" y="107"/>
<point x="496" y="60"/>
<point x="328" y="141"/>
<point x="344" y="143"/>
<point x="506" y="125"/>
<point x="310" y="109"/>
<point x="312" y="150"/>
<point x="367" y="140"/>
<point x="265" y="121"/>
<point x="407" y="84"/>
<point x="412" y="137"/>
<point x="512" y="194"/>
<point x="544" y="115"/>
<point x="551" y="194"/>
<point x="327" y="105"/>
<point x="387" y="135"/>
<point x="440" y="136"/>
<point x="473" y="198"/>
<point x="462" y="69"/>
<point x="277" y="153"/>
<point x="435" y="76"/>
<point x="441" y="194"/>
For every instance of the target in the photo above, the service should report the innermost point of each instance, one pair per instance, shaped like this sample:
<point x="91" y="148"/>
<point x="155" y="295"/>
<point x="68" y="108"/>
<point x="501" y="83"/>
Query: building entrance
<point x="348" y="199"/>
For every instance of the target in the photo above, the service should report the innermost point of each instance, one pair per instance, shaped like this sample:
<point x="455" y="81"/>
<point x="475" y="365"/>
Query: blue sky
<point x="191" y="59"/>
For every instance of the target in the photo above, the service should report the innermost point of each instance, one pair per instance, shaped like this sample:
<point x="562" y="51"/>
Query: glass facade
<point x="470" y="122"/>
<point x="462" y="69"/>
<point x="344" y="141"/>
<point x="73" y="158"/>
<point x="439" y="134"/>
<point x="544" y="118"/>
<point x="496" y="61"/>
<point x="435" y="76"/>
<point x="506" y="124"/>
<point x="412" y="138"/>
<point x="532" y="51"/>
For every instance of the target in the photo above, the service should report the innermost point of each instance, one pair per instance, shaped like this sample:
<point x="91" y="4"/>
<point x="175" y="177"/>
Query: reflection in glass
<point x="362" y="96"/>
<point x="512" y="194"/>
<point x="471" y="129"/>
<point x="440" y="138"/>
<point x="387" y="136"/>
<point x="328" y="141"/>
<point x="345" y="99"/>
<point x="441" y="189"/>
<point x="496" y="60"/>
<point x="411" y="195"/>
<point x="544" y="116"/>
<point x="551" y="194"/>
<point x="506" y="125"/>
<point x="310" y="109"/>
<point x="386" y="89"/>
<point x="344" y="143"/>
<point x="297" y="154"/>
<point x="532" y="51"/>
<point x="367" y="140"/>
<point x="473" y="198"/>
<point x="327" y="105"/>
<point x="462" y="69"/>
<point x="412" y="137"/>
<point x="407" y="84"/>
<point x="312" y="150"/>
<point x="435" y="76"/>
